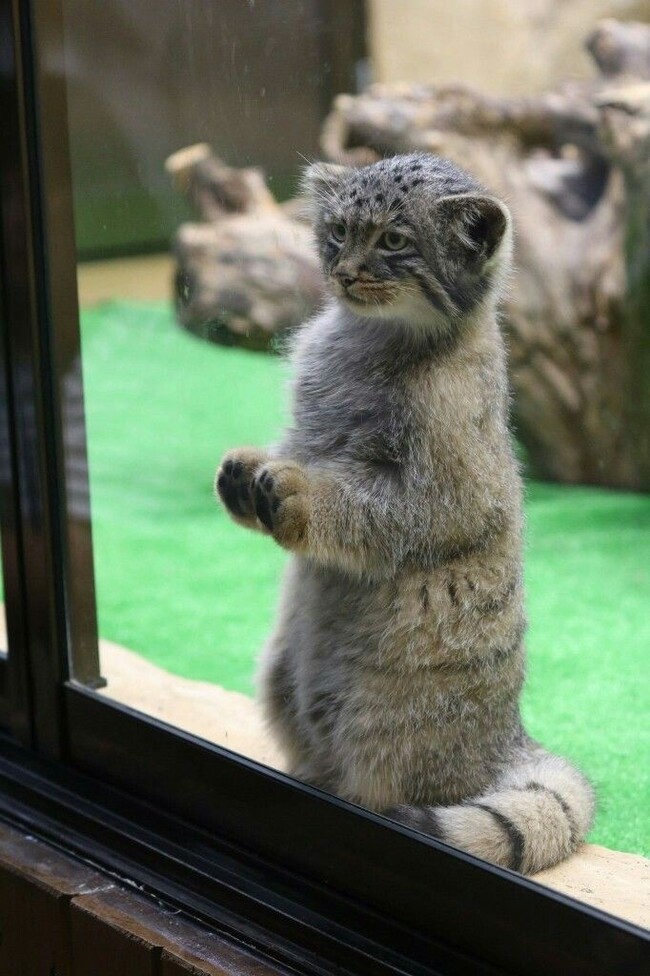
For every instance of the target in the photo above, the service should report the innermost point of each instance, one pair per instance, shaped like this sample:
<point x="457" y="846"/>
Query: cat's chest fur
<point x="351" y="399"/>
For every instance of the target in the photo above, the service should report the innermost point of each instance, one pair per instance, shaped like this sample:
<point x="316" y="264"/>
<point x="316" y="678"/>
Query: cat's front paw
<point x="234" y="479"/>
<point x="281" y="501"/>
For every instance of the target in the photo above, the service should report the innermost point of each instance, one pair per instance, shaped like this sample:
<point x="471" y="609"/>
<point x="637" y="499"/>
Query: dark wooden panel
<point x="106" y="943"/>
<point x="33" y="929"/>
<point x="36" y="886"/>
<point x="59" y="917"/>
<point x="171" y="967"/>
<point x="138" y="930"/>
<point x="47" y="867"/>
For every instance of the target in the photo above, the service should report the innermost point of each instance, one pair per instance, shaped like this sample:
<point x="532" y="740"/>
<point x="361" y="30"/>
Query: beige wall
<point x="501" y="46"/>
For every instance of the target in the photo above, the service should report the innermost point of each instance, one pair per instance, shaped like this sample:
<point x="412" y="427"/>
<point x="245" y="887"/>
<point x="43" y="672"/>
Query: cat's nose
<point x="345" y="277"/>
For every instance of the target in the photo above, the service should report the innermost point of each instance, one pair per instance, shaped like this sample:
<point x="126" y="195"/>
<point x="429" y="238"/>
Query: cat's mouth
<point x="366" y="296"/>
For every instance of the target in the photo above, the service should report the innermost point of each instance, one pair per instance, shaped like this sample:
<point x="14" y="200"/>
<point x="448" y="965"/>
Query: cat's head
<point x="410" y="237"/>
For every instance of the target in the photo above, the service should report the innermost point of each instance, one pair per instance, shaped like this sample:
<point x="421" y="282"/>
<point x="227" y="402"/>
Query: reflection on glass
<point x="5" y="489"/>
<point x="185" y="597"/>
<point x="4" y="645"/>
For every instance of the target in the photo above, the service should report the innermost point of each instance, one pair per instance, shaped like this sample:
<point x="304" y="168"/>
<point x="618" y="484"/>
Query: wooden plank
<point x="61" y="918"/>
<point x="172" y="965"/>
<point x="46" y="865"/>
<point x="37" y="884"/>
<point x="159" y="936"/>
<point x="209" y="955"/>
<point x="33" y="929"/>
<point x="106" y="940"/>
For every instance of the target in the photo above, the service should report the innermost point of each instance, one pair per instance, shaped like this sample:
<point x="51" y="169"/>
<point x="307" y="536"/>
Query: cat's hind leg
<point x="535" y="815"/>
<point x="233" y="484"/>
<point x="276" y="694"/>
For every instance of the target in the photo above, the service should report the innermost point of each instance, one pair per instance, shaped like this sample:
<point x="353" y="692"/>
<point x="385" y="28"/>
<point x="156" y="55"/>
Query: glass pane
<point x="403" y="608"/>
<point x="5" y="488"/>
<point x="3" y="623"/>
<point x="232" y="75"/>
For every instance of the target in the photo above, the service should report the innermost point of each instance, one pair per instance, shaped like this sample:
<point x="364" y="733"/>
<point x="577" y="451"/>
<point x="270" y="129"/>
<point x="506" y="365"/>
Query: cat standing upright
<point x="394" y="672"/>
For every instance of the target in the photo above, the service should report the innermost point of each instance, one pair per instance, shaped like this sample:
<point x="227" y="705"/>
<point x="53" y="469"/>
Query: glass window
<point x="194" y="265"/>
<point x="177" y="593"/>
<point x="5" y="482"/>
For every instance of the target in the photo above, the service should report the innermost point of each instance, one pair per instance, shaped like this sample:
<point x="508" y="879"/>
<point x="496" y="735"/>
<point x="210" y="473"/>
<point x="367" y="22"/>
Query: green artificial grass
<point x="180" y="583"/>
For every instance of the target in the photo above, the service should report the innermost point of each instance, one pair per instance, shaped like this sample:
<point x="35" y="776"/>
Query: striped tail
<point x="537" y="814"/>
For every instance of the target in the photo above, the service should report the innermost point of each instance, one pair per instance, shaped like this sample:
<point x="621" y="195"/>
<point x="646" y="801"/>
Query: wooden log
<point x="574" y="166"/>
<point x="249" y="271"/>
<point x="215" y="190"/>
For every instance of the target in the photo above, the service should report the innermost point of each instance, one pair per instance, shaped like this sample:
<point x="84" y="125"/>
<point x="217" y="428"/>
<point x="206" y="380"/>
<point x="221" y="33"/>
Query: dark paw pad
<point x="234" y="489"/>
<point x="265" y="500"/>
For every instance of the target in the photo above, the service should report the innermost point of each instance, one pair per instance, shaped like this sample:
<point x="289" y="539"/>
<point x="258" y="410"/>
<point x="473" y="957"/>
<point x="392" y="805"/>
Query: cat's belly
<point x="459" y="615"/>
<point x="401" y="690"/>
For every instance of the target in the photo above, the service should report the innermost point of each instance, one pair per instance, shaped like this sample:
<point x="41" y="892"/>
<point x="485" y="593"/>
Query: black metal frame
<point x="308" y="879"/>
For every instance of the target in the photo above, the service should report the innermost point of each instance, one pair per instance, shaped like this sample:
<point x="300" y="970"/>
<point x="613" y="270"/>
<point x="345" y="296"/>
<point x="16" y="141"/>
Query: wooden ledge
<point x="59" y="916"/>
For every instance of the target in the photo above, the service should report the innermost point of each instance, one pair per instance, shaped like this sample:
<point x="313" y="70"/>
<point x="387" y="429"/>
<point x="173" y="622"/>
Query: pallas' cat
<point x="394" y="673"/>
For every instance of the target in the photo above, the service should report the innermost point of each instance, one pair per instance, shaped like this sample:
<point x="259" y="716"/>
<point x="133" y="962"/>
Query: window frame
<point x="311" y="880"/>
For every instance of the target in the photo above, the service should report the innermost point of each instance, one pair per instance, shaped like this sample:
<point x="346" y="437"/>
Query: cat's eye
<point x="338" y="232"/>
<point x="392" y="240"/>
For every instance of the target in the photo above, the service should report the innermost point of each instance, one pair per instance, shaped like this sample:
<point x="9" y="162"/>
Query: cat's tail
<point x="535" y="815"/>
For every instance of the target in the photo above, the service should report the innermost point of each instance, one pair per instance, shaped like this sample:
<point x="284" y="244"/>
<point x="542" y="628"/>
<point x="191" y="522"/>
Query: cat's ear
<point x="479" y="223"/>
<point x="324" y="179"/>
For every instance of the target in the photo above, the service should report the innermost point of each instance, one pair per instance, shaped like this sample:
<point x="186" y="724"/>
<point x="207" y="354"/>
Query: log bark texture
<point x="574" y="167"/>
<point x="248" y="271"/>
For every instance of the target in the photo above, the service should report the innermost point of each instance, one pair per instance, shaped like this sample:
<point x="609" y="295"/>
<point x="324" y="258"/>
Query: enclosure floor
<point x="180" y="583"/>
<point x="145" y="278"/>
<point x="613" y="881"/>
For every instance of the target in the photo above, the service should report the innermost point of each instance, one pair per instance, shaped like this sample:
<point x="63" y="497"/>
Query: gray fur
<point x="394" y="672"/>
